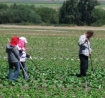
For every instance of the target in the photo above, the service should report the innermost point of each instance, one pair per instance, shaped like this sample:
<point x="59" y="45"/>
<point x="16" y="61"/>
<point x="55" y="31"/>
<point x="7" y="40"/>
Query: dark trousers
<point x="83" y="64"/>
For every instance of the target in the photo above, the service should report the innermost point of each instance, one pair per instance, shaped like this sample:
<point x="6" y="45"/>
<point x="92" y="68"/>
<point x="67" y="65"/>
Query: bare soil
<point x="54" y="27"/>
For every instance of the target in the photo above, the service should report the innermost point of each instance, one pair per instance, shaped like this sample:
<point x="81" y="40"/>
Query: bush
<point x="99" y="16"/>
<point x="67" y="12"/>
<point x="48" y="15"/>
<point x="77" y="12"/>
<point x="3" y="15"/>
<point x="19" y="14"/>
<point x="24" y="13"/>
<point x="3" y="6"/>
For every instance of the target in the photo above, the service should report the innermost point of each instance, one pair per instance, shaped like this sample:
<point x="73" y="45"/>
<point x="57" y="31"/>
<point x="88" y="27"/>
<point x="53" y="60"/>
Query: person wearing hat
<point x="22" y="52"/>
<point x="13" y="58"/>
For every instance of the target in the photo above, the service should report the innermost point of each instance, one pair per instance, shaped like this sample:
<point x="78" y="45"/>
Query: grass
<point x="55" y="52"/>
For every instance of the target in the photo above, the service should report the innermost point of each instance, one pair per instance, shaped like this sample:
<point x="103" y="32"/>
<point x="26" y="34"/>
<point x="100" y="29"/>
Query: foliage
<point x="3" y="6"/>
<point x="28" y="14"/>
<point x="99" y="16"/>
<point x="80" y="13"/>
<point x="67" y="12"/>
<point x="48" y="15"/>
<point x="23" y="13"/>
<point x="20" y="14"/>
<point x="84" y="10"/>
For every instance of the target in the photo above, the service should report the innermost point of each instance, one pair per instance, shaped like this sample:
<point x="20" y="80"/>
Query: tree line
<point x="81" y="12"/>
<point x="76" y="12"/>
<point x="27" y="14"/>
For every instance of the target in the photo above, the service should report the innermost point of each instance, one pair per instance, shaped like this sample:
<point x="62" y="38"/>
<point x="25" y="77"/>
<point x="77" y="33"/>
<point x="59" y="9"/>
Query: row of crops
<point x="55" y="53"/>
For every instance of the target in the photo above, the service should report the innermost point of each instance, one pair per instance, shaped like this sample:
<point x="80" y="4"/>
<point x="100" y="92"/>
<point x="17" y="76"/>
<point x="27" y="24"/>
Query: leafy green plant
<point x="55" y="53"/>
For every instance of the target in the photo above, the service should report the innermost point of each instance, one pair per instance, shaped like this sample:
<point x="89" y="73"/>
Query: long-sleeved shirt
<point x="22" y="53"/>
<point x="22" y="56"/>
<point x="13" y="53"/>
<point x="85" y="48"/>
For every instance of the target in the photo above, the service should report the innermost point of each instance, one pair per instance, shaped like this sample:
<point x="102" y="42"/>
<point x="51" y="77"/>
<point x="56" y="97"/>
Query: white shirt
<point x="85" y="48"/>
<point x="22" y="56"/>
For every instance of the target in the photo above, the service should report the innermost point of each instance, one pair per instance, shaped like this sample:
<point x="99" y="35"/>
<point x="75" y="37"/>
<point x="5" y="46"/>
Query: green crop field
<point x="40" y="4"/>
<point x="55" y="5"/>
<point x="102" y="6"/>
<point x="51" y="4"/>
<point x="55" y="53"/>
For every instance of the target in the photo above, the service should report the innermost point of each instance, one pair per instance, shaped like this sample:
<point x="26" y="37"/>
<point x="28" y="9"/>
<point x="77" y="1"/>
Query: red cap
<point x="14" y="41"/>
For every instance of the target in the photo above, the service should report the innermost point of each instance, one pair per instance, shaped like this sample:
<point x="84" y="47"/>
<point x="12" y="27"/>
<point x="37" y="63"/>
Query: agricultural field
<point x="102" y="6"/>
<point x="54" y="5"/>
<point x="38" y="4"/>
<point x="55" y="53"/>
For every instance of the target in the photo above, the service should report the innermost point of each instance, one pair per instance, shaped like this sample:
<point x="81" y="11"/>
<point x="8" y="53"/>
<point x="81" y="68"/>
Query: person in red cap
<point x="13" y="58"/>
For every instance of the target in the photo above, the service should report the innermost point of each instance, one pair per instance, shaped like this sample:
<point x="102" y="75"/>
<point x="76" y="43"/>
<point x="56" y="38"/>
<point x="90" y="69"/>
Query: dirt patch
<point x="54" y="27"/>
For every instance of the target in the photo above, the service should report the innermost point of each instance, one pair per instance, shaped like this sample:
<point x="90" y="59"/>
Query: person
<point x="13" y="58"/>
<point x="22" y="52"/>
<point x="84" y="52"/>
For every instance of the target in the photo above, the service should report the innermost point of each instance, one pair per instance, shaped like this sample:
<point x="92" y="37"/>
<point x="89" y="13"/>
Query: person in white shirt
<point x="84" y="52"/>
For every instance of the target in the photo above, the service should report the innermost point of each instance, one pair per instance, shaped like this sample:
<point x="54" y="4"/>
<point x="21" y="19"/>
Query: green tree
<point x="23" y="14"/>
<point x="3" y="6"/>
<point x="48" y="15"/>
<point x="85" y="12"/>
<point x="78" y="12"/>
<point x="3" y="15"/>
<point x="99" y="17"/>
<point x="68" y="12"/>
